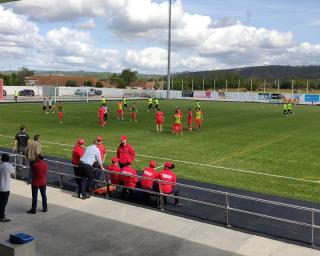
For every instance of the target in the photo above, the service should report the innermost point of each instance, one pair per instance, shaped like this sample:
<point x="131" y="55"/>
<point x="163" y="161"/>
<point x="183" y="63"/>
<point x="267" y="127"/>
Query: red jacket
<point x="126" y="154"/>
<point x="115" y="178"/>
<point x="39" y="173"/>
<point x="130" y="177"/>
<point x="77" y="153"/>
<point x="168" y="176"/>
<point x="151" y="174"/>
<point x="102" y="151"/>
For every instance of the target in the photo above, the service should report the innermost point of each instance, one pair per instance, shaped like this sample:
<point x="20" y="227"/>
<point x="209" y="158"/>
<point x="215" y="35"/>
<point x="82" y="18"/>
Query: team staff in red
<point x="114" y="167"/>
<point x="169" y="179"/>
<point x="151" y="174"/>
<point x="129" y="179"/>
<point x="125" y="152"/>
<point x="77" y="153"/>
<point x="102" y="149"/>
<point x="39" y="182"/>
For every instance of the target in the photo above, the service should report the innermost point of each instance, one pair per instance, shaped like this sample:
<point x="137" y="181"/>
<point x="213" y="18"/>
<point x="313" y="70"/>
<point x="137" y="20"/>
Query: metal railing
<point x="310" y="224"/>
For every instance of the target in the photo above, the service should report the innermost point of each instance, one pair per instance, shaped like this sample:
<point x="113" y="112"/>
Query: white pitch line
<point x="204" y="165"/>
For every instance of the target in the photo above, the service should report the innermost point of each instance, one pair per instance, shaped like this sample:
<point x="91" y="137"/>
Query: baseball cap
<point x="123" y="137"/>
<point x="114" y="159"/>
<point x="153" y="163"/>
<point x="81" y="141"/>
<point x="170" y="165"/>
<point x="99" y="138"/>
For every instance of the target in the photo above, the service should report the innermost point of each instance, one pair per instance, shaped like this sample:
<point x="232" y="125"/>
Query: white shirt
<point x="91" y="155"/>
<point x="6" y="170"/>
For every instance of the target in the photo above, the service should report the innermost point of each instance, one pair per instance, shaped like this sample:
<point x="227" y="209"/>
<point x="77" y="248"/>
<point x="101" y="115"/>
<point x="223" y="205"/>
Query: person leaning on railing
<point x="32" y="151"/>
<point x="21" y="141"/>
<point x="129" y="179"/>
<point x="149" y="174"/>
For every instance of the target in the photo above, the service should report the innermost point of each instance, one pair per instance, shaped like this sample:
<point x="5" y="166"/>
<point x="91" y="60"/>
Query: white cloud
<point x="88" y="24"/>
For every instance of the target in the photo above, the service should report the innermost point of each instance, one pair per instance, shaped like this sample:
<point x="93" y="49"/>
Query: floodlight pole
<point x="169" y="53"/>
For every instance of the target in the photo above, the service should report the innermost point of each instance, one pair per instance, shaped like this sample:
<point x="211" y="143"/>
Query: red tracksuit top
<point x="115" y="178"/>
<point x="77" y="153"/>
<point x="126" y="154"/>
<point x="130" y="178"/>
<point x="148" y="173"/>
<point x="39" y="173"/>
<point x="168" y="176"/>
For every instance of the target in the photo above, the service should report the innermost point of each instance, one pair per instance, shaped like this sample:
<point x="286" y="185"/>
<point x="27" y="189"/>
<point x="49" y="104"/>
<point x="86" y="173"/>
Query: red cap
<point x="81" y="141"/>
<point x="114" y="159"/>
<point x="99" y="138"/>
<point x="152" y="164"/>
<point x="168" y="164"/>
<point x="123" y="137"/>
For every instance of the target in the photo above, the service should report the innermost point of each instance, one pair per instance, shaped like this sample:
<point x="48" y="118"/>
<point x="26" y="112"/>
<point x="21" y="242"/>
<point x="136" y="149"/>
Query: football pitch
<point x="241" y="145"/>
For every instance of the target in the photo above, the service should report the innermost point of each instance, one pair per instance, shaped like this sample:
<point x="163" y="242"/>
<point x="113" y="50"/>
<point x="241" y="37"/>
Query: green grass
<point x="253" y="137"/>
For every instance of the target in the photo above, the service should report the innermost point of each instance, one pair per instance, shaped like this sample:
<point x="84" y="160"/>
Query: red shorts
<point x="120" y="111"/>
<point x="189" y="121"/>
<point x="198" y="121"/>
<point x="60" y="114"/>
<point x="159" y="121"/>
<point x="177" y="127"/>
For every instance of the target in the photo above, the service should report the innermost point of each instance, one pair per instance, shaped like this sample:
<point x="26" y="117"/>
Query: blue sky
<point x="108" y="35"/>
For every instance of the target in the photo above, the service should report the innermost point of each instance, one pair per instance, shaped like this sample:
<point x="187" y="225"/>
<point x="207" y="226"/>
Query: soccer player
<point x="134" y="112"/>
<point x="198" y="104"/>
<point x="16" y="94"/>
<point x="103" y="100"/>
<point x="50" y="105"/>
<point x="159" y="120"/>
<point x="44" y="105"/>
<point x="149" y="103"/>
<point x="60" y="112"/>
<point x="106" y="113"/>
<point x="156" y="104"/>
<point x="190" y="114"/>
<point x="285" y="108"/>
<point x="198" y="118"/>
<point x="290" y="107"/>
<point x="177" y="127"/>
<point x="101" y="116"/>
<point x="124" y="101"/>
<point x="120" y="110"/>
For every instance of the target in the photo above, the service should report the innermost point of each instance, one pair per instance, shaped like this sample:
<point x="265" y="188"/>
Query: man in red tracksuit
<point x="39" y="182"/>
<point x="102" y="149"/>
<point x="77" y="153"/>
<point x="168" y="184"/>
<point x="125" y="152"/>
<point x="115" y="169"/>
<point x="129" y="179"/>
<point x="151" y="174"/>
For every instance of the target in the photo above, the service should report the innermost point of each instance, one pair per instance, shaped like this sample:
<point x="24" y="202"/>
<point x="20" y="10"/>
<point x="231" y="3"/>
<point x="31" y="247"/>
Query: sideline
<point x="250" y="149"/>
<point x="203" y="165"/>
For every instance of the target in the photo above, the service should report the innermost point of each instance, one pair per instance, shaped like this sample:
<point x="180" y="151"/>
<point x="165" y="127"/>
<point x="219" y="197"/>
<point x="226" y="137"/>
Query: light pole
<point x="169" y="53"/>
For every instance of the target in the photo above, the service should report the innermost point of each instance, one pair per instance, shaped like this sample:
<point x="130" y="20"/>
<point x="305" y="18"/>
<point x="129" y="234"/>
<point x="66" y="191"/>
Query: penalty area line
<point x="203" y="165"/>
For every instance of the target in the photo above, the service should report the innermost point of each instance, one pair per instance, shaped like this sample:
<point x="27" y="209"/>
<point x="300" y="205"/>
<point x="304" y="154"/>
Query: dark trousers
<point x="21" y="161"/>
<point x="35" y="197"/>
<point x="78" y="180"/>
<point x="174" y="192"/>
<point x="4" y="196"/>
<point x="86" y="177"/>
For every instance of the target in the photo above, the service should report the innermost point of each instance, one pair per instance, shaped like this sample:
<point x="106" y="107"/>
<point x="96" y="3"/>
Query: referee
<point x="90" y="156"/>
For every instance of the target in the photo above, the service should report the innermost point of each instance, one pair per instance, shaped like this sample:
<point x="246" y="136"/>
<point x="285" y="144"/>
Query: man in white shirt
<point x="6" y="172"/>
<point x="90" y="156"/>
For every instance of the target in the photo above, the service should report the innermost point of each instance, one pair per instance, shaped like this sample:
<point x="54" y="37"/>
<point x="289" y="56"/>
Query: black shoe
<point x="85" y="197"/>
<point x="5" y="220"/>
<point x="31" y="211"/>
<point x="45" y="210"/>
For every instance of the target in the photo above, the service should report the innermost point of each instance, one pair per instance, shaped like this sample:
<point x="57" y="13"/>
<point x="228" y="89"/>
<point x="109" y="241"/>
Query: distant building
<point x="58" y="80"/>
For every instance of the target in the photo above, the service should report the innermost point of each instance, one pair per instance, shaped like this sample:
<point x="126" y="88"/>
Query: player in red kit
<point x="120" y="112"/>
<point x="159" y="120"/>
<point x="101" y="111"/>
<point x="190" y="114"/>
<point x="60" y="112"/>
<point x="77" y="153"/>
<point x="134" y="112"/>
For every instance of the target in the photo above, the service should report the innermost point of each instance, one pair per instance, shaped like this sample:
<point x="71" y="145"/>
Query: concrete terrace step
<point x="98" y="226"/>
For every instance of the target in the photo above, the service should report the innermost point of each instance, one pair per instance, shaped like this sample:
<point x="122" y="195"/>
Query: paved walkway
<point x="102" y="227"/>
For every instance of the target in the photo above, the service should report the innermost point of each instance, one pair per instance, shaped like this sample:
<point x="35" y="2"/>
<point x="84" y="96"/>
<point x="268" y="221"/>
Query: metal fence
<point x="279" y="219"/>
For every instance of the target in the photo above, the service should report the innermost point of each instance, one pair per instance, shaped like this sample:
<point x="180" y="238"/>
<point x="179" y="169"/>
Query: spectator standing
<point x="21" y="142"/>
<point x="32" y="151"/>
<point x="39" y="182"/>
<point x="6" y="172"/>
<point x="125" y="152"/>
<point x="77" y="153"/>
<point x="90" y="156"/>
<point x="102" y="150"/>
